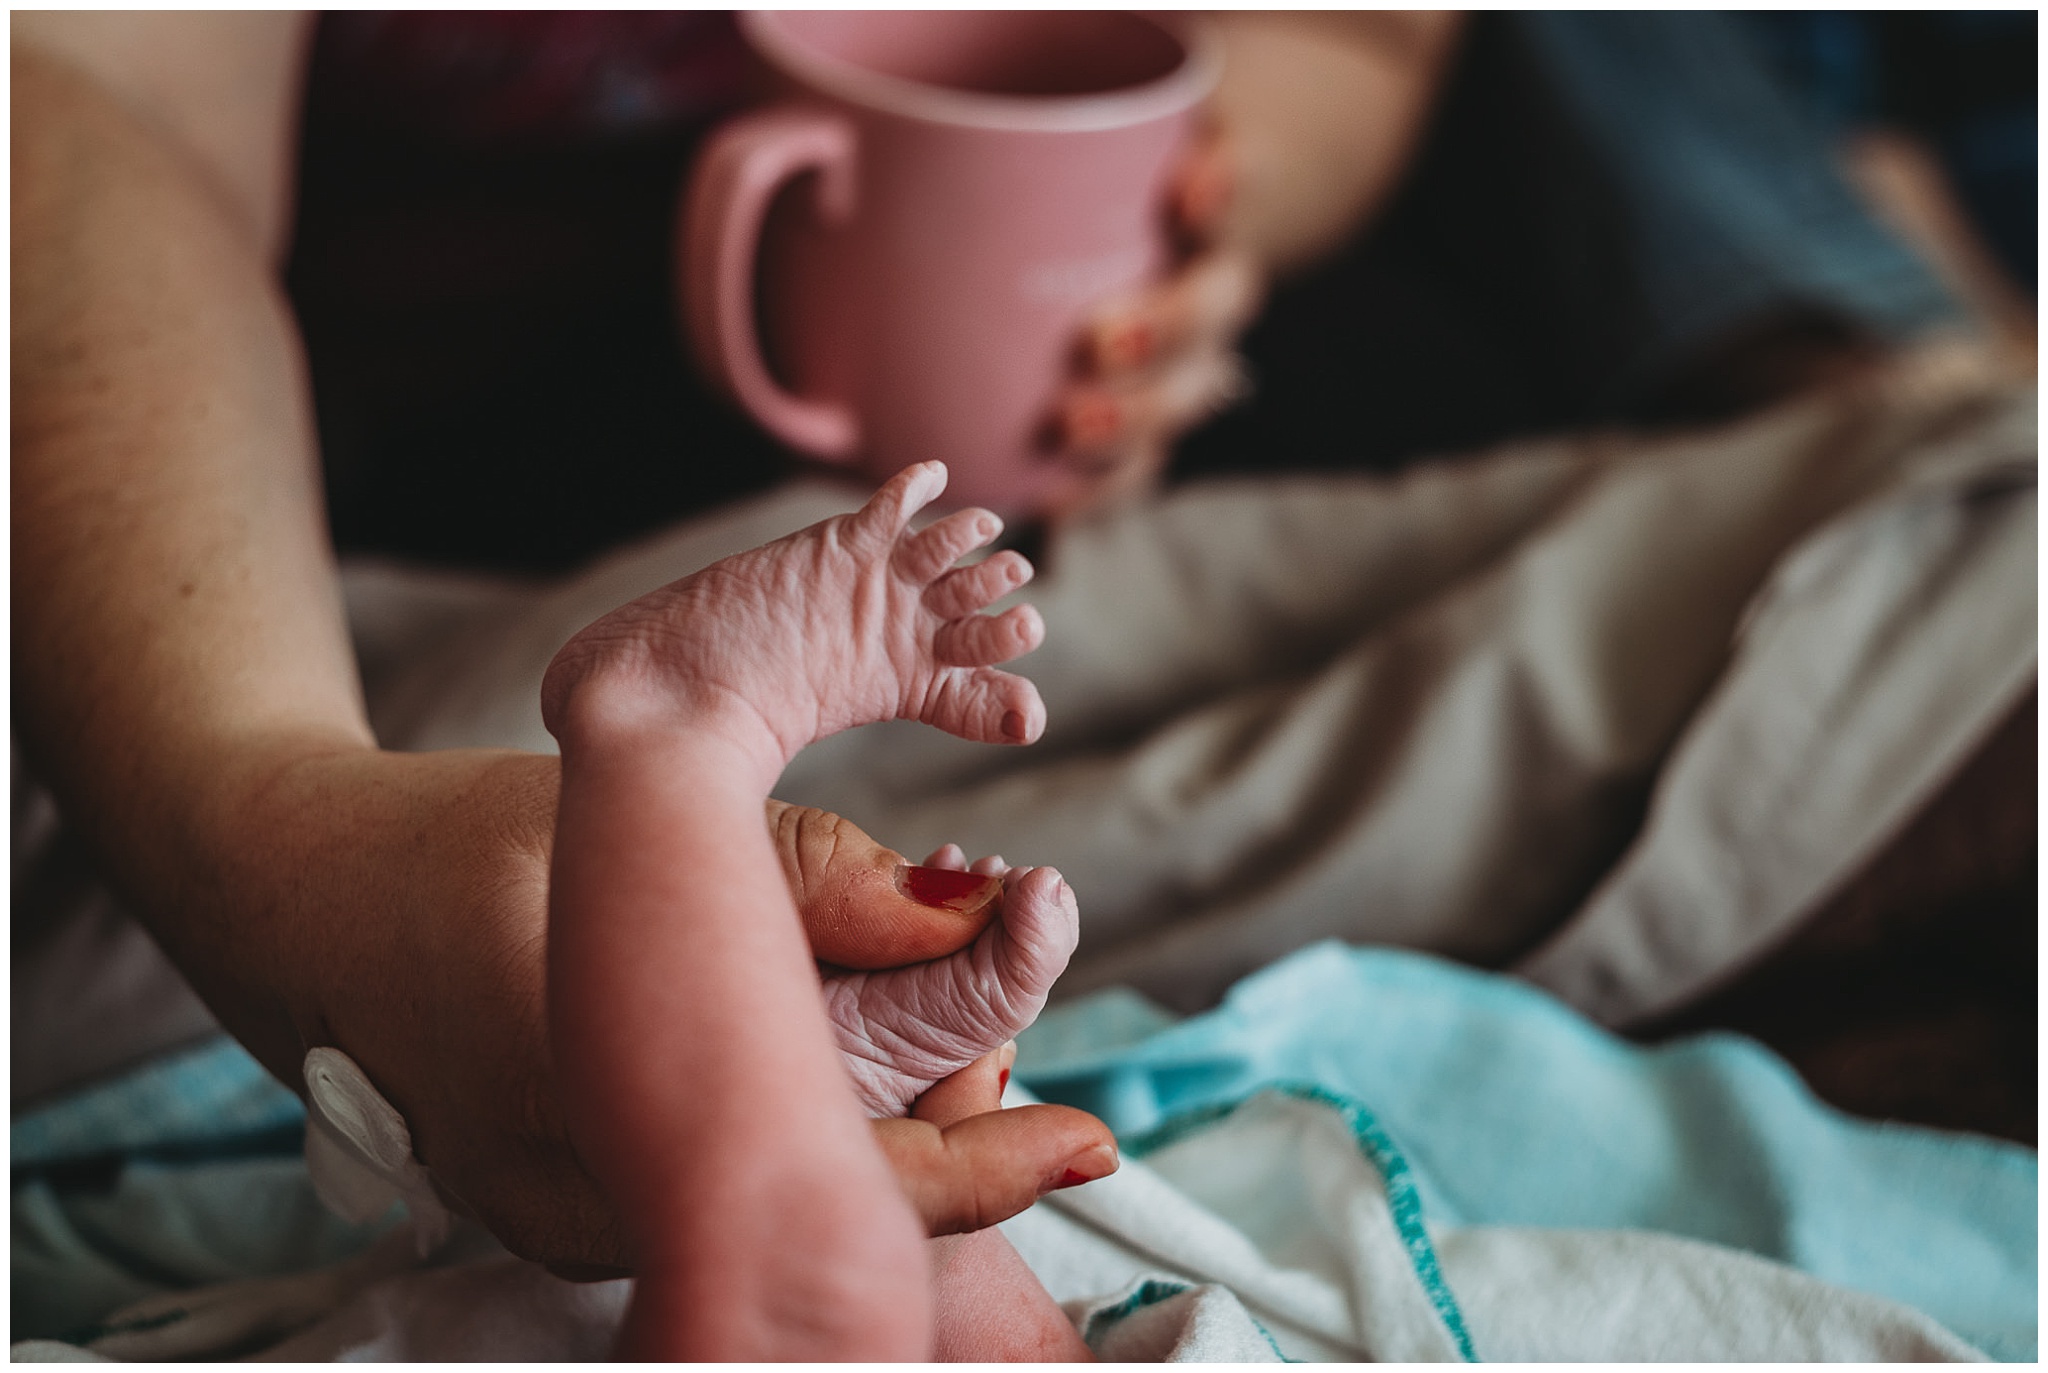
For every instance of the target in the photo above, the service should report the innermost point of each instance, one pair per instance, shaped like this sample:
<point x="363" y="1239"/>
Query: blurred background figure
<point x="1642" y="218"/>
<point x="1478" y="228"/>
<point x="1961" y="85"/>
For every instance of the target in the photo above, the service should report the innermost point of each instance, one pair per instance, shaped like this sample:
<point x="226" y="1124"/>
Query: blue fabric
<point x="1514" y="1110"/>
<point x="208" y="1100"/>
<point x="183" y="1171"/>
<point x="1964" y="80"/>
<point x="1729" y="179"/>
<point x="82" y="1249"/>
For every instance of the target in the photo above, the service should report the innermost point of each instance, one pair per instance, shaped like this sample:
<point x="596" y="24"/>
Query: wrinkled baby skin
<point x="901" y="1030"/>
<point x="853" y="620"/>
<point x="979" y="966"/>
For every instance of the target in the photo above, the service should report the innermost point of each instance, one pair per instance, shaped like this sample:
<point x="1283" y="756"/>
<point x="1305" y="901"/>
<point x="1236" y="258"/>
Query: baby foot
<point x="850" y="621"/>
<point x="900" y="1030"/>
<point x="867" y="913"/>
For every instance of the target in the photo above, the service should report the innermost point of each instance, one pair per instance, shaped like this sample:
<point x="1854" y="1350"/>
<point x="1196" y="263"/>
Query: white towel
<point x="1280" y="1229"/>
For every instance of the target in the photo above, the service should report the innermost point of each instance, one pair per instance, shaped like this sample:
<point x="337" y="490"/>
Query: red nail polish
<point x="1101" y="1161"/>
<point x="1216" y="194"/>
<point x="1014" y="726"/>
<point x="1002" y="1080"/>
<point x="1206" y="194"/>
<point x="1131" y="344"/>
<point x="947" y="889"/>
<point x="1092" y="421"/>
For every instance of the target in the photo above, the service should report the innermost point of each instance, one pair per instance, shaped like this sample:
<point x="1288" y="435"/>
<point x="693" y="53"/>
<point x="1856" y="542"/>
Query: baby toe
<point x="1041" y="925"/>
<point x="900" y="497"/>
<point x="923" y="556"/>
<point x="948" y="856"/>
<point x="985" y="640"/>
<point x="986" y="706"/>
<point x="966" y="590"/>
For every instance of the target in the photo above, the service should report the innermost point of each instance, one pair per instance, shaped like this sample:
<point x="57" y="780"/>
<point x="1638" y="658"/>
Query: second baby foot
<point x="853" y="620"/>
<point x="985" y="944"/>
<point x="900" y="1030"/>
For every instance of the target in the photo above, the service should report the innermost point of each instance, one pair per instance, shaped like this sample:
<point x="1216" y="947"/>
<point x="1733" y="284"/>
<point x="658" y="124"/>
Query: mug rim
<point x="1192" y="79"/>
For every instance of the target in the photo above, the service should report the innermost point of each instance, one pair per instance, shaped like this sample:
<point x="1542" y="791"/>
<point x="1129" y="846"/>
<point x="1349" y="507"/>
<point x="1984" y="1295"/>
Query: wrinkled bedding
<point x="1616" y="715"/>
<point x="1523" y="1186"/>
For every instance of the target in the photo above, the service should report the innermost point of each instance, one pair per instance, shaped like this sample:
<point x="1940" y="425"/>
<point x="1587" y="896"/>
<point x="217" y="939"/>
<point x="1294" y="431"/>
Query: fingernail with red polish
<point x="947" y="889"/>
<point x="1206" y="195"/>
<point x="1129" y="344"/>
<point x="1015" y="726"/>
<point x="1092" y="421"/>
<point x="1002" y="1081"/>
<point x="1098" y="1162"/>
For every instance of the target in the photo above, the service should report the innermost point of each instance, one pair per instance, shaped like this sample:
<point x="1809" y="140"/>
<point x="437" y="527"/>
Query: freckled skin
<point x="689" y="1034"/>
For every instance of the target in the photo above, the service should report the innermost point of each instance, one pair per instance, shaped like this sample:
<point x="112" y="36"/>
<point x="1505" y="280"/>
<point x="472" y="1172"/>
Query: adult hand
<point x="1156" y="363"/>
<point x="966" y="1163"/>
<point x="1310" y="131"/>
<point x="412" y="935"/>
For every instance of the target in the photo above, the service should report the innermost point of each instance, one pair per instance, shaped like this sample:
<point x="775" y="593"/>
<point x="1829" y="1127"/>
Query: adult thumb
<point x="863" y="905"/>
<point x="986" y="1168"/>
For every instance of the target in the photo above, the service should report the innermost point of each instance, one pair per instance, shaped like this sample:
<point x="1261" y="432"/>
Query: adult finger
<point x="863" y="905"/>
<point x="1105" y="480"/>
<point x="988" y="1167"/>
<point x="971" y="1091"/>
<point x="1203" y="187"/>
<point x="1104" y="425"/>
<point x="1208" y="300"/>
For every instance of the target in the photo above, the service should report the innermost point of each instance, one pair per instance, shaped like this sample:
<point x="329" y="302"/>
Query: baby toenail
<point x="947" y="889"/>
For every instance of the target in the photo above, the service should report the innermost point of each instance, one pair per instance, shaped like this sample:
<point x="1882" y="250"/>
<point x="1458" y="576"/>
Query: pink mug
<point x="979" y="181"/>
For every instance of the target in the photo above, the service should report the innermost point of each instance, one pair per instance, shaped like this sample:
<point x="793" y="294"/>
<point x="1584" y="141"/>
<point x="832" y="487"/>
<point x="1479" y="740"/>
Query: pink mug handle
<point x="735" y="180"/>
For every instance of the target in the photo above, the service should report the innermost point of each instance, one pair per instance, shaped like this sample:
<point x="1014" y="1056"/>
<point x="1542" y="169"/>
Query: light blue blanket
<point x="1510" y="1108"/>
<point x="181" y="1172"/>
<point x="1514" y="1110"/>
<point x="202" y="1101"/>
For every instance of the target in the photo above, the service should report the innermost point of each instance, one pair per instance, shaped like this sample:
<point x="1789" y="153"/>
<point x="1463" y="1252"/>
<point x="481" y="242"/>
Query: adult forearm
<point x="1323" y="111"/>
<point x="178" y="638"/>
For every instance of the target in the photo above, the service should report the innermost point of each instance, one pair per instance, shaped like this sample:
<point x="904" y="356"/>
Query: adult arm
<point x="178" y="637"/>
<point x="183" y="678"/>
<point x="1320" y="112"/>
